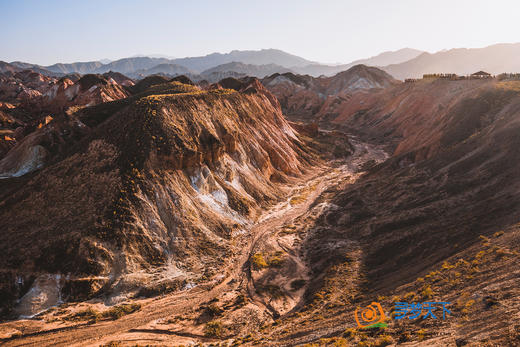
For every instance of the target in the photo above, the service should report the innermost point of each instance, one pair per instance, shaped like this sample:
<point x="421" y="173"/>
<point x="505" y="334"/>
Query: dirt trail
<point x="236" y="275"/>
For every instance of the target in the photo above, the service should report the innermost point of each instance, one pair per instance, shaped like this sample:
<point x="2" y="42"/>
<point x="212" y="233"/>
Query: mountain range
<point x="259" y="64"/>
<point x="495" y="59"/>
<point x="194" y="64"/>
<point x="401" y="64"/>
<point x="383" y="59"/>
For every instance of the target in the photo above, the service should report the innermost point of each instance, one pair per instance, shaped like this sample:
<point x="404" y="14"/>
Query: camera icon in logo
<point x="369" y="315"/>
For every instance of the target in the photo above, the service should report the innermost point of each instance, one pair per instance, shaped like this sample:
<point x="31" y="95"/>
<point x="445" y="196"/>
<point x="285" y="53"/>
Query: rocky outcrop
<point x="119" y="78"/>
<point x="35" y="91"/>
<point x="28" y="98"/>
<point x="22" y="160"/>
<point x="302" y="97"/>
<point x="23" y="86"/>
<point x="33" y="151"/>
<point x="89" y="90"/>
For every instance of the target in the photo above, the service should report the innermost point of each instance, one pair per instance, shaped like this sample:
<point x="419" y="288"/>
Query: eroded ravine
<point x="149" y="322"/>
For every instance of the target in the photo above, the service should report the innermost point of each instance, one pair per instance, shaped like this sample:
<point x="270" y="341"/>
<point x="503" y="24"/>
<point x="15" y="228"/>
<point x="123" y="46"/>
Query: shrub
<point x="410" y="296"/>
<point x="421" y="334"/>
<point x="89" y="314"/>
<point x="427" y="292"/>
<point x="447" y="266"/>
<point x="213" y="310"/>
<point x="462" y="262"/>
<point x="112" y="344"/>
<point x="480" y="255"/>
<point x="214" y="329"/>
<point x="484" y="238"/>
<point x="258" y="262"/>
<point x="117" y="312"/>
<point x="275" y="261"/>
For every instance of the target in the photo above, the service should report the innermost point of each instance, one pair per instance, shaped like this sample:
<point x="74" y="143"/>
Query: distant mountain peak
<point x="495" y="59"/>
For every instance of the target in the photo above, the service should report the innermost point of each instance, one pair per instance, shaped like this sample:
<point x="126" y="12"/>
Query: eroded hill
<point x="303" y="96"/>
<point x="164" y="179"/>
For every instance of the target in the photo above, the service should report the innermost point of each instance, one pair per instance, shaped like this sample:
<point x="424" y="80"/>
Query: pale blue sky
<point x="49" y="31"/>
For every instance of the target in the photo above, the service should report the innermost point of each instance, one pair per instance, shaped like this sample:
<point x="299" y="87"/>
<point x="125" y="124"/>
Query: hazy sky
<point x="49" y="31"/>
